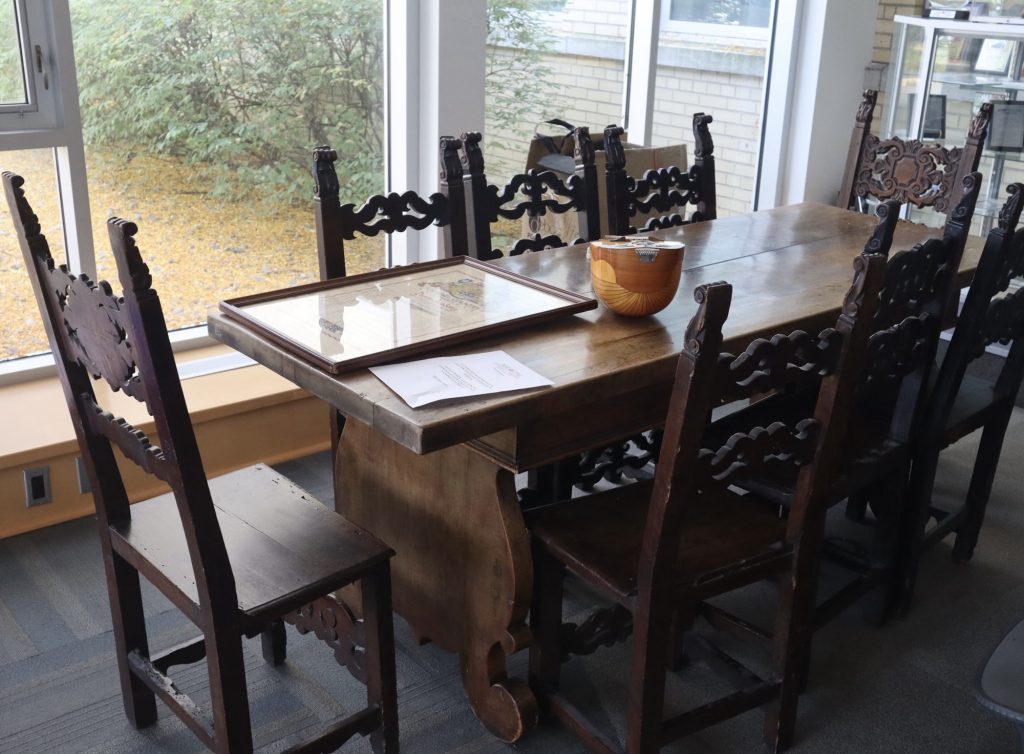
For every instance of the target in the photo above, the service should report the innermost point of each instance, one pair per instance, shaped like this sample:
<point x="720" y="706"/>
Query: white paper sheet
<point x="419" y="383"/>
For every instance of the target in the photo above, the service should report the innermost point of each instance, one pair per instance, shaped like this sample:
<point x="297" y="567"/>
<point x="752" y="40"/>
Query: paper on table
<point x="430" y="380"/>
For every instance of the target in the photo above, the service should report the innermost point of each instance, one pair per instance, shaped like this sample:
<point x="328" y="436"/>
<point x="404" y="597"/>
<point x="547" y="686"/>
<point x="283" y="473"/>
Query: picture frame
<point x="994" y="56"/>
<point x="1006" y="130"/>
<point x="369" y="319"/>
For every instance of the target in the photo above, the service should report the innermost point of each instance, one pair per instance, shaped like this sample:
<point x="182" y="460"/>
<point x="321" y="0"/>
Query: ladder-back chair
<point x="534" y="194"/>
<point x="385" y="213"/>
<point x="961" y="403"/>
<point x="881" y="433"/>
<point x="658" y="549"/>
<point x="665" y="190"/>
<point x="390" y="213"/>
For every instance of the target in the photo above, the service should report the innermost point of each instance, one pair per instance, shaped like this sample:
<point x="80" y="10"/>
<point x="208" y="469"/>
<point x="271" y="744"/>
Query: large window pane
<point x="22" y="332"/>
<point x="732" y="12"/>
<point x="12" y="75"/>
<point x="200" y="119"/>
<point x="721" y="74"/>
<point x="550" y="59"/>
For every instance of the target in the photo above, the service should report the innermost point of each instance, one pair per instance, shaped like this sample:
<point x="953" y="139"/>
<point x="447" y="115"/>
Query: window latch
<point x="39" y="67"/>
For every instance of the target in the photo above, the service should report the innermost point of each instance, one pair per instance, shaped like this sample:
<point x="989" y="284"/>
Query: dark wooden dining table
<point x="438" y="483"/>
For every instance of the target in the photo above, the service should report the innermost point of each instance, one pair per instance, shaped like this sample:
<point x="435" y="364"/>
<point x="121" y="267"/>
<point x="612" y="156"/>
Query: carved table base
<point x="462" y="574"/>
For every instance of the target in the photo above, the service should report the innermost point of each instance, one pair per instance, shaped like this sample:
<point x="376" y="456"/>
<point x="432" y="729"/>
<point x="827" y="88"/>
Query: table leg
<point x="462" y="575"/>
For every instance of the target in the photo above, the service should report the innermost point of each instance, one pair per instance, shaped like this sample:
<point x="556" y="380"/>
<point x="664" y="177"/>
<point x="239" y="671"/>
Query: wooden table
<point x="437" y="483"/>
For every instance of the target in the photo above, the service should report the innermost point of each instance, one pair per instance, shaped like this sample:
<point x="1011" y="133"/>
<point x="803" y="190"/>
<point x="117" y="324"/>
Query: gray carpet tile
<point x="906" y="687"/>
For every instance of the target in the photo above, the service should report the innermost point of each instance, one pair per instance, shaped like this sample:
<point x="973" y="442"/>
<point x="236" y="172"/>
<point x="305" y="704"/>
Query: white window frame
<point x="40" y="108"/>
<point x="721" y="32"/>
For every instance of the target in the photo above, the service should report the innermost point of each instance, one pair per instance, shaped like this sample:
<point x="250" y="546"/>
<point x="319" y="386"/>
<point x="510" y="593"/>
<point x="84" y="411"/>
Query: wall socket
<point x="37" y="486"/>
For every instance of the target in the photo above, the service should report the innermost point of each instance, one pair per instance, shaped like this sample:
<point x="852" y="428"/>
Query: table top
<point x="790" y="268"/>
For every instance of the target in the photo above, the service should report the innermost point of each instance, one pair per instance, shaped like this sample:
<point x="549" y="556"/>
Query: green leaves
<point x="242" y="89"/>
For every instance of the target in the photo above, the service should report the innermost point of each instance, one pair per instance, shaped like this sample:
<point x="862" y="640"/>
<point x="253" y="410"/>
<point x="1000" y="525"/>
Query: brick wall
<point x="585" y="88"/>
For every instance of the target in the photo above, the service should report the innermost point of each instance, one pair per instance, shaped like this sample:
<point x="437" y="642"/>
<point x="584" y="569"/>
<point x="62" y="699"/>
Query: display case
<point x="941" y="72"/>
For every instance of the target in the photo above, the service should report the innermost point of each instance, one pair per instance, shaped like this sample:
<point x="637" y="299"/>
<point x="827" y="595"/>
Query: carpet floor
<point x="906" y="687"/>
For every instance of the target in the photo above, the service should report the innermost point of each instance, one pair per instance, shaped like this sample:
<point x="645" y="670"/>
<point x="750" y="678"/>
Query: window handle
<point x="39" y="67"/>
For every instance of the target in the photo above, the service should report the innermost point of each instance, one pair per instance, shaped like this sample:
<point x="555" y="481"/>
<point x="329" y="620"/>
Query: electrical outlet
<point x="83" y="477"/>
<point x="37" y="486"/>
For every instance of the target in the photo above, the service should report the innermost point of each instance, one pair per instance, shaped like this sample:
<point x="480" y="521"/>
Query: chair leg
<point x="653" y="645"/>
<point x="917" y="515"/>
<point x="380" y="652"/>
<point x="129" y="624"/>
<point x="980" y="489"/>
<point x="546" y="620"/>
<point x="229" y="698"/>
<point x="889" y="526"/>
<point x="791" y="652"/>
<point x="275" y="643"/>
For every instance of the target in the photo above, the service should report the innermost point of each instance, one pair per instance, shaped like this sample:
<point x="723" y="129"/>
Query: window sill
<point x="241" y="416"/>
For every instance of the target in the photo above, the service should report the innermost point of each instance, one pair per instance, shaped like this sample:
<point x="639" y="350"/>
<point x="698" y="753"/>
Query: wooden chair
<point x="911" y="172"/>
<point x="237" y="555"/>
<point x="960" y="404"/>
<point x="390" y="213"/>
<point x="661" y="189"/>
<point x="534" y="193"/>
<point x="880" y="435"/>
<point x="658" y="549"/>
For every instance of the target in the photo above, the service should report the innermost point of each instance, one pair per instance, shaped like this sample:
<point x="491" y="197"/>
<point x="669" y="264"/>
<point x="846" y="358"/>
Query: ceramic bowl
<point x="635" y="276"/>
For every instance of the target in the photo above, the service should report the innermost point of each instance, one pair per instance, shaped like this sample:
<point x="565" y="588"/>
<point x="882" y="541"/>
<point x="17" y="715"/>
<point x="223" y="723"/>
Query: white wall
<point x="836" y="40"/>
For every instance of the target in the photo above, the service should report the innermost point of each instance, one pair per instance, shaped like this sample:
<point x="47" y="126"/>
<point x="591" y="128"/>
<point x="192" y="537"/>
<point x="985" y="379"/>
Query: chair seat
<point x="974" y="403"/>
<point x="285" y="547"/>
<point x="599" y="536"/>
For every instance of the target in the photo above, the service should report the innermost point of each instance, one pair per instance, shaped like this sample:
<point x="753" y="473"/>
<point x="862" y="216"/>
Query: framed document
<point x="994" y="56"/>
<point x="1006" y="132"/>
<point x="369" y="319"/>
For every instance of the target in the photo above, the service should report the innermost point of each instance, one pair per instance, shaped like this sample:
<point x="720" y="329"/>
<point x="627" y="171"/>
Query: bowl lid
<point x="637" y="242"/>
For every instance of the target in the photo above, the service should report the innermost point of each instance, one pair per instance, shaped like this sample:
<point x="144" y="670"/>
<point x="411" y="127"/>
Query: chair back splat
<point x="384" y="213"/>
<point x="660" y="549"/>
<point x="962" y="402"/>
<point x="534" y="193"/>
<point x="238" y="554"/>
<point x="911" y="172"/>
<point x="661" y="189"/>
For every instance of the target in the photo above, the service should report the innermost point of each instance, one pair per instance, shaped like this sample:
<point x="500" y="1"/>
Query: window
<point x="737" y="19"/>
<point x="200" y="127"/>
<point x="701" y="71"/>
<point x="27" y="87"/>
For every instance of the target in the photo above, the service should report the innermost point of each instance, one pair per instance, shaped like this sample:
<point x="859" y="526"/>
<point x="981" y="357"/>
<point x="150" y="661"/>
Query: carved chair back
<point x="918" y="287"/>
<point x="705" y="377"/>
<point x="534" y="193"/>
<point x="390" y="213"/>
<point x="990" y="315"/>
<point x="97" y="335"/>
<point x="913" y="172"/>
<point x="665" y="190"/>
